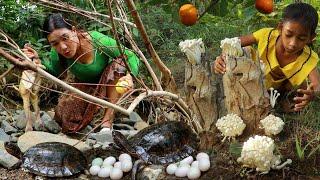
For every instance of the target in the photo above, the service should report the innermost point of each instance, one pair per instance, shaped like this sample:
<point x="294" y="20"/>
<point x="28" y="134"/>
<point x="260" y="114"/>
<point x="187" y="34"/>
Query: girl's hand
<point x="31" y="53"/>
<point x="219" y="65"/>
<point x="303" y="101"/>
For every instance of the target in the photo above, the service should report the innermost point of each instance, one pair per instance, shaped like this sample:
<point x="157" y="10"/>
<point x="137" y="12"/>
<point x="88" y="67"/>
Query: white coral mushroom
<point x="231" y="47"/>
<point x="230" y="125"/>
<point x="272" y="125"/>
<point x="257" y="152"/>
<point x="193" y="49"/>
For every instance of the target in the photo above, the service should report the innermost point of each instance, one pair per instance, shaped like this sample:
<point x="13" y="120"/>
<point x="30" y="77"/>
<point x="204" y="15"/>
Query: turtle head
<point x="119" y="139"/>
<point x="13" y="149"/>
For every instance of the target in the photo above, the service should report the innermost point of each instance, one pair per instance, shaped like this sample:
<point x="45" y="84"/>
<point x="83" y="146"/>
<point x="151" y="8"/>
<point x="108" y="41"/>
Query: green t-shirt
<point x="105" y="49"/>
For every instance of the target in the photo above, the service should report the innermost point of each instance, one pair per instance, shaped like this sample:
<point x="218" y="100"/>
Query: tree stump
<point x="204" y="94"/>
<point x="202" y="89"/>
<point x="244" y="89"/>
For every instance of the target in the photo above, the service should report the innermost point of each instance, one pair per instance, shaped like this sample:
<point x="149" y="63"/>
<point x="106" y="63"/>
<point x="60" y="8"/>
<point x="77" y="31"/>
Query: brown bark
<point x="202" y="92"/>
<point x="245" y="92"/>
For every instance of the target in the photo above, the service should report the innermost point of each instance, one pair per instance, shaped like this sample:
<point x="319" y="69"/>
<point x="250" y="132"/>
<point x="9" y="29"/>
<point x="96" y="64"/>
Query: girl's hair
<point x="54" y="21"/>
<point x="302" y="13"/>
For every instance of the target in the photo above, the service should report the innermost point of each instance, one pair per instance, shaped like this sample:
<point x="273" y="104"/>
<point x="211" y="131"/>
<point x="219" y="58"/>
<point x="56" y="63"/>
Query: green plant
<point x="302" y="149"/>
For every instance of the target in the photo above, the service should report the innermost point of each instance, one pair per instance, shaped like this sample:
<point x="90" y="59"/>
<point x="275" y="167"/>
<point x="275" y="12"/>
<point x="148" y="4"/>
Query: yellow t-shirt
<point x="294" y="73"/>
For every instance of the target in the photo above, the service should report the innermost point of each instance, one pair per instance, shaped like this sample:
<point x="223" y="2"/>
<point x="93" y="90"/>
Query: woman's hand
<point x="31" y="53"/>
<point x="303" y="101"/>
<point x="219" y="66"/>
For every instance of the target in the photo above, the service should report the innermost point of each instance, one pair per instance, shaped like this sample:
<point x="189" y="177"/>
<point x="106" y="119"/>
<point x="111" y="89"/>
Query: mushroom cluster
<point x="257" y="152"/>
<point x="272" y="125"/>
<point x="231" y="47"/>
<point x="193" y="49"/>
<point x="230" y="125"/>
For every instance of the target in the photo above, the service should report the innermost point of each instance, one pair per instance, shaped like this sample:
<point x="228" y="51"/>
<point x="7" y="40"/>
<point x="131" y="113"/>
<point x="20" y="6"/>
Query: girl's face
<point x="294" y="36"/>
<point x="65" y="41"/>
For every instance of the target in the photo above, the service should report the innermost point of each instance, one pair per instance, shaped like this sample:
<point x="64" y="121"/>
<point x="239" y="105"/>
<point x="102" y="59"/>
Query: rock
<point x="32" y="138"/>
<point x="140" y="125"/>
<point x="86" y="130"/>
<point x="4" y="136"/>
<point x="8" y="128"/>
<point x="6" y="159"/>
<point x="152" y="172"/>
<point x="134" y="117"/>
<point x="15" y="136"/>
<point x="103" y="137"/>
<point x="20" y="120"/>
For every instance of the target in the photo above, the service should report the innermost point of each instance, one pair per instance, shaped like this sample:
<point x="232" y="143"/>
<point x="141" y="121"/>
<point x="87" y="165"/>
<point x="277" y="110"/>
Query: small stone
<point x="140" y="125"/>
<point x="8" y="128"/>
<point x="4" y="136"/>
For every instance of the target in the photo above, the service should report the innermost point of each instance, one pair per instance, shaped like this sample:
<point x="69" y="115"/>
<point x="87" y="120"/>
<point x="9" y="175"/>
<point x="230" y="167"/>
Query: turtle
<point x="51" y="159"/>
<point x="161" y="144"/>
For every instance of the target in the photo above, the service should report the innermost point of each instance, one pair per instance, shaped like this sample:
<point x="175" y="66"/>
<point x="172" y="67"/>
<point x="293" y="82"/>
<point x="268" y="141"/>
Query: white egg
<point x="94" y="170"/>
<point x="184" y="164"/>
<point x="97" y="162"/>
<point x="202" y="155"/>
<point x="126" y="165"/>
<point x="187" y="160"/>
<point x="195" y="164"/>
<point x="194" y="173"/>
<point x="109" y="160"/>
<point x="116" y="173"/>
<point x="124" y="156"/>
<point x="204" y="164"/>
<point x="182" y="171"/>
<point x="171" y="169"/>
<point x="105" y="172"/>
<point x="117" y="165"/>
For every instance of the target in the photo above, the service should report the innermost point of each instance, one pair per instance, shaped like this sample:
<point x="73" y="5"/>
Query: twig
<point x="6" y="72"/>
<point x="167" y="78"/>
<point x="62" y="5"/>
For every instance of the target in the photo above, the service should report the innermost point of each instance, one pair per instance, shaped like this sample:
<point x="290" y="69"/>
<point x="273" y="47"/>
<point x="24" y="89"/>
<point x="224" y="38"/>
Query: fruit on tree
<point x="264" y="6"/>
<point x="188" y="14"/>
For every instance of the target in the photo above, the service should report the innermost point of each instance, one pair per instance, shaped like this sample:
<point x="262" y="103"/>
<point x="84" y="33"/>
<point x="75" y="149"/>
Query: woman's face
<point x="294" y="37"/>
<point x="65" y="41"/>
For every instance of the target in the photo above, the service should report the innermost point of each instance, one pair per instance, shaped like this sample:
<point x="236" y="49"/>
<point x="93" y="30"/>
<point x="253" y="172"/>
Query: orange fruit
<point x="264" y="6"/>
<point x="188" y="14"/>
<point x="122" y="86"/>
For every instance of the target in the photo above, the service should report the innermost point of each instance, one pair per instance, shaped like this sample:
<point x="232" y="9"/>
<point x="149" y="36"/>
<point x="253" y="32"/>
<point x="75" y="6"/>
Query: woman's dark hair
<point x="302" y="13"/>
<point x="54" y="21"/>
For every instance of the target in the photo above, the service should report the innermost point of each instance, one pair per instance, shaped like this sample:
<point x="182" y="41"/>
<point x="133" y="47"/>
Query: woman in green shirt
<point x="93" y="58"/>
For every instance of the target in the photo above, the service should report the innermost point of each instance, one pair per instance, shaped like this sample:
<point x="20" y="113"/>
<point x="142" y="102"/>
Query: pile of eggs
<point x="190" y="168"/>
<point x="110" y="167"/>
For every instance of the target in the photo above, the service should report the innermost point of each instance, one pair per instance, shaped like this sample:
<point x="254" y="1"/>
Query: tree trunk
<point x="202" y="94"/>
<point x="245" y="93"/>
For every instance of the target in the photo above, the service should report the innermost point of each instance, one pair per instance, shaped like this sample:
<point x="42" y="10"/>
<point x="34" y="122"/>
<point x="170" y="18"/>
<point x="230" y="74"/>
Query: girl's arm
<point x="219" y="65"/>
<point x="309" y="93"/>
<point x="247" y="40"/>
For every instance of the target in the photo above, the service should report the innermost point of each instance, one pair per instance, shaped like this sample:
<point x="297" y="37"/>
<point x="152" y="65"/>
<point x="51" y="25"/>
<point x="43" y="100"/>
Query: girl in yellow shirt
<point x="285" y="52"/>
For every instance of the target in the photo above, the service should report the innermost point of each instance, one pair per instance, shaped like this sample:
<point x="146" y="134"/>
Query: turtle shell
<point x="165" y="142"/>
<point x="54" y="159"/>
